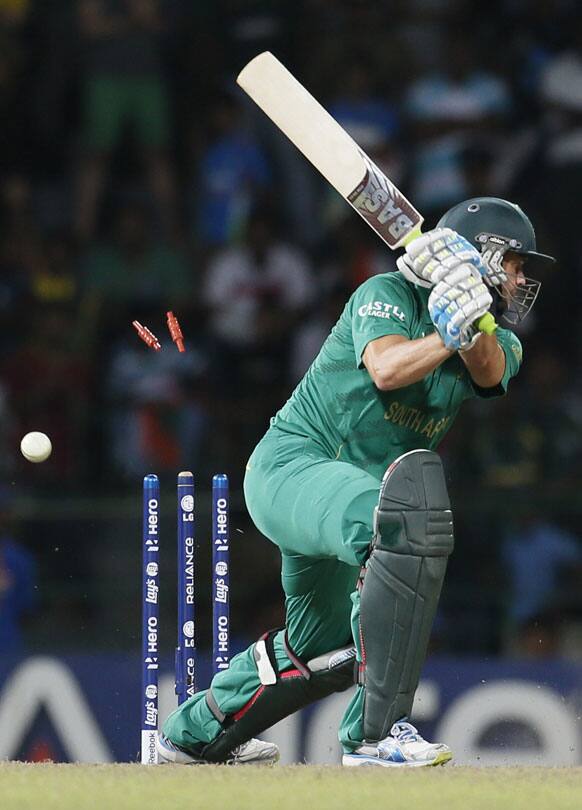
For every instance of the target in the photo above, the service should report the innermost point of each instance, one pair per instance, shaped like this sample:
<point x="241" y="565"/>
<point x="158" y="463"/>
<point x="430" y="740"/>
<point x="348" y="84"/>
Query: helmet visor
<point x="518" y="299"/>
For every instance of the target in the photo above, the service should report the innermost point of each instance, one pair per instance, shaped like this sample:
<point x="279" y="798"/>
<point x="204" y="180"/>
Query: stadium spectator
<point x="132" y="266"/>
<point x="256" y="292"/>
<point x="560" y="92"/>
<point x="156" y="408"/>
<point x="232" y="177"/>
<point x="446" y="108"/>
<point x="371" y="120"/>
<point x="55" y="276"/>
<point x="18" y="581"/>
<point x="124" y="87"/>
<point x="537" y="556"/>
<point x="373" y="123"/>
<point x="20" y="239"/>
<point x="16" y="58"/>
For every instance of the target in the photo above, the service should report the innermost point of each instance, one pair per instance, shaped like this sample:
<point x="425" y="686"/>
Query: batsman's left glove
<point x="430" y="258"/>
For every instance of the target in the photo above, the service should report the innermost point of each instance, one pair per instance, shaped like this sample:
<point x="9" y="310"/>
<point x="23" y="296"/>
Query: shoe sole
<point x="359" y="761"/>
<point x="267" y="761"/>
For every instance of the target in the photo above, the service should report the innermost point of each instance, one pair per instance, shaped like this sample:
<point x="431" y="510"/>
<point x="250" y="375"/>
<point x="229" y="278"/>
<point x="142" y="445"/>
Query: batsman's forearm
<point x="408" y="362"/>
<point x="485" y="361"/>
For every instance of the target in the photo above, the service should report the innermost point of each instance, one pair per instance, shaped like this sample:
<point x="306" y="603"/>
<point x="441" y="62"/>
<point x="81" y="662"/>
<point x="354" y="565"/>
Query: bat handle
<point x="410" y="237"/>
<point x="487" y="324"/>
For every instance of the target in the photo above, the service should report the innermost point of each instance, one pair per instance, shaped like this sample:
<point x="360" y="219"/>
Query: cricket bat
<point x="334" y="154"/>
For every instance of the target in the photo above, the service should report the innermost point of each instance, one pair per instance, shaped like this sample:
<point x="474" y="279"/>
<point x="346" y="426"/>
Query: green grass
<point x="134" y="787"/>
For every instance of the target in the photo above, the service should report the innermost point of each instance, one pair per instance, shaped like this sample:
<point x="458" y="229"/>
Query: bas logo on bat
<point x="382" y="205"/>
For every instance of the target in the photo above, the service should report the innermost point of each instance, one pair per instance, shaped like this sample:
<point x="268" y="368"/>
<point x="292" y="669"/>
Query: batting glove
<point x="454" y="306"/>
<point x="430" y="258"/>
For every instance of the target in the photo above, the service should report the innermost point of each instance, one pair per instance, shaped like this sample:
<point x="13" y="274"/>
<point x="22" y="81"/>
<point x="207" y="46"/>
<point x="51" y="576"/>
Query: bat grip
<point x="487" y="324"/>
<point x="410" y="237"/>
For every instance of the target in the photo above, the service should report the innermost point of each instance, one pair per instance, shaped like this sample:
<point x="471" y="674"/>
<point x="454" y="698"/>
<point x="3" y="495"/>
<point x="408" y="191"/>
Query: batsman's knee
<point x="413" y="516"/>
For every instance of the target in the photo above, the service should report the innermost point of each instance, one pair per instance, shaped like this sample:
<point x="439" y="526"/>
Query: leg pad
<point x="401" y="585"/>
<point x="293" y="689"/>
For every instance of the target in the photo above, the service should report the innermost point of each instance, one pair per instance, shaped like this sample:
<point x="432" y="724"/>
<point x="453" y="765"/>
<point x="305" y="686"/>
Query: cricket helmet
<point x="495" y="226"/>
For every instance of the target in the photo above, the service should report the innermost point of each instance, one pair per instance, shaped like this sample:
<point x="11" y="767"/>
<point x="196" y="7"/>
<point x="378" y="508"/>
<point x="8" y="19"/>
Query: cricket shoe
<point x="253" y="752"/>
<point x="402" y="748"/>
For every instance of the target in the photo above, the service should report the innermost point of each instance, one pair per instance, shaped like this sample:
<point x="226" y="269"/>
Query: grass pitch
<point x="135" y="787"/>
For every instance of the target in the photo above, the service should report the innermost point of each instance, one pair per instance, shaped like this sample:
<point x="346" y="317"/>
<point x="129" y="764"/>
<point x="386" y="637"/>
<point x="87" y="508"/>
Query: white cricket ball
<point x="36" y="446"/>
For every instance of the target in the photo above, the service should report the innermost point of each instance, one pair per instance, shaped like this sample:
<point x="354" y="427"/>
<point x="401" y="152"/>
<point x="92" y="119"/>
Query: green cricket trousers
<point x="319" y="512"/>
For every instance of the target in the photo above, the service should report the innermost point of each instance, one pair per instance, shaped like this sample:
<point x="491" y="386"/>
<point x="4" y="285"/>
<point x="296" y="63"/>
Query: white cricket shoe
<point x="402" y="748"/>
<point x="253" y="752"/>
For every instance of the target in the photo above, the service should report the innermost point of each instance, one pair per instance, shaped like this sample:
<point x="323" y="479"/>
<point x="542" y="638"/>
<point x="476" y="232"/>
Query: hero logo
<point x="378" y="309"/>
<point x="222" y="634"/>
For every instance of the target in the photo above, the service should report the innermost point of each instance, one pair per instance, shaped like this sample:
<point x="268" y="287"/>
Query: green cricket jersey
<point x="338" y="406"/>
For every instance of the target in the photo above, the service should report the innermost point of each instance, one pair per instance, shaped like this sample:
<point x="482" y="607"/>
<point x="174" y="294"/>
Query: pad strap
<point x="214" y="707"/>
<point x="297" y="662"/>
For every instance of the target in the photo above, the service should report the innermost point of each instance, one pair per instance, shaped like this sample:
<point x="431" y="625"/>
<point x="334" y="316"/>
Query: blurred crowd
<point x="135" y="178"/>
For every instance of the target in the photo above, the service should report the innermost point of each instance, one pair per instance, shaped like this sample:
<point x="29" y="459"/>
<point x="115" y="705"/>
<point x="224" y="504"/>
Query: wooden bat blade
<point x="330" y="149"/>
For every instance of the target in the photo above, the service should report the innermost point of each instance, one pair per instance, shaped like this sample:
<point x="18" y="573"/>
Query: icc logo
<point x="187" y="503"/>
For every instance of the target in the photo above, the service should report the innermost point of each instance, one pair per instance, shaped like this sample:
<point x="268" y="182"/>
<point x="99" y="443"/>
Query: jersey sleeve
<point x="513" y="351"/>
<point x="383" y="305"/>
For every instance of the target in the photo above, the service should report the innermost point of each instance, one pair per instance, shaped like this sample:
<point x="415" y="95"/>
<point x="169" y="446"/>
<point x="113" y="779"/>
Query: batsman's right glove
<point x="455" y="304"/>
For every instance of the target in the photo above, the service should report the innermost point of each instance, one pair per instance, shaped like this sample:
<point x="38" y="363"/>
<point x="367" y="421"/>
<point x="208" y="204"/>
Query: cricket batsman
<point x="347" y="483"/>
